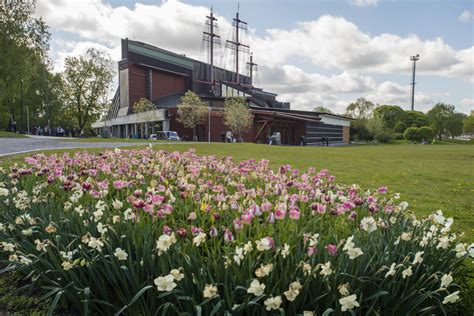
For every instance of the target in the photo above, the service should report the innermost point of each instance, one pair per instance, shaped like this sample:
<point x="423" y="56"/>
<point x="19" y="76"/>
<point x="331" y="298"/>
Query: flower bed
<point x="150" y="232"/>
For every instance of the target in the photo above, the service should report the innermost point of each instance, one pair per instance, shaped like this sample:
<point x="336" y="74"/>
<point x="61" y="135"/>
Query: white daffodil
<point x="418" y="258"/>
<point x="120" y="254"/>
<point x="451" y="298"/>
<point x="199" y="239"/>
<point x="348" y="302"/>
<point x="406" y="236"/>
<point x="95" y="243"/>
<point x="407" y="272"/>
<point x="446" y="280"/>
<point x="239" y="255"/>
<point x="256" y="288"/>
<point x="343" y="289"/>
<point x="326" y="269"/>
<point x="117" y="204"/>
<point x="391" y="271"/>
<point x="165" y="284"/>
<point x="354" y="253"/>
<point x="285" y="251"/>
<point x="368" y="224"/>
<point x="177" y="274"/>
<point x="164" y="243"/>
<point x="67" y="265"/>
<point x="210" y="291"/>
<point x="272" y="303"/>
<point x="264" y="270"/>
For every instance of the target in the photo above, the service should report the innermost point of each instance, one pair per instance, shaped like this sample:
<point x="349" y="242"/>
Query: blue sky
<point x="310" y="52"/>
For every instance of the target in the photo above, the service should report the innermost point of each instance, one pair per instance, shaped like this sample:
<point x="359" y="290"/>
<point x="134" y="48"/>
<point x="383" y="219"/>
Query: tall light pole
<point x="21" y="105"/>
<point x="414" y="59"/>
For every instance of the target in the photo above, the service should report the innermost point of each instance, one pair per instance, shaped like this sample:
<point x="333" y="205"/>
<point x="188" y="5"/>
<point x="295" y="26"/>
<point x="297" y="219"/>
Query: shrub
<point x="383" y="137"/>
<point x="426" y="133"/>
<point x="398" y="136"/>
<point x="151" y="232"/>
<point x="412" y="133"/>
<point x="400" y="127"/>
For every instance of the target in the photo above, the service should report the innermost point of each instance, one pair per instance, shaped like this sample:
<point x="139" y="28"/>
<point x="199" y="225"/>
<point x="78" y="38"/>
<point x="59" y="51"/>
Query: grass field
<point x="429" y="177"/>
<point x="11" y="135"/>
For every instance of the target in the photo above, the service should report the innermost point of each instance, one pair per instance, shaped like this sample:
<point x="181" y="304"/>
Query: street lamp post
<point x="414" y="59"/>
<point x="21" y="105"/>
<point x="209" y="125"/>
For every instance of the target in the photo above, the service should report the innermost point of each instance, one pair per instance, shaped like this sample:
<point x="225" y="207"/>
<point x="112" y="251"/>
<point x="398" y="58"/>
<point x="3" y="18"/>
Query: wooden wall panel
<point x="164" y="84"/>
<point x="137" y="83"/>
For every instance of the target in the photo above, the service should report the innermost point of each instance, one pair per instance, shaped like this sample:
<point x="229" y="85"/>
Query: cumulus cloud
<point x="363" y="3"/>
<point x="465" y="17"/>
<point x="329" y="42"/>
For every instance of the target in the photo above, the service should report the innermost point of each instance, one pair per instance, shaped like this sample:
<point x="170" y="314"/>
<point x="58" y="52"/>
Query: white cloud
<point x="465" y="17"/>
<point x="335" y="43"/>
<point x="363" y="3"/>
<point x="329" y="42"/>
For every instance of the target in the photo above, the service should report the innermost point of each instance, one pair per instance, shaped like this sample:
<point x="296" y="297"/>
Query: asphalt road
<point x="10" y="146"/>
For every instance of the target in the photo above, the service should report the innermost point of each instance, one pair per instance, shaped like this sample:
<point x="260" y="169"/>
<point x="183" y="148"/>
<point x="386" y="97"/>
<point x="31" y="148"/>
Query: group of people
<point x="57" y="131"/>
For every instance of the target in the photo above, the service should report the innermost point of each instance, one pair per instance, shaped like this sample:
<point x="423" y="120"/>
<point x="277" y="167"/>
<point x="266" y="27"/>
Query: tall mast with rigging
<point x="236" y="45"/>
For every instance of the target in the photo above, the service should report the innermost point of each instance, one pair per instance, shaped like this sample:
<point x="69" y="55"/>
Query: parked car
<point x="166" y="135"/>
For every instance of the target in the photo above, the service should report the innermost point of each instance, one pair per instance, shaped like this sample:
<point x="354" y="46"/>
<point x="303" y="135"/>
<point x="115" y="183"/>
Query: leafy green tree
<point x="390" y="115"/>
<point x="237" y="115"/>
<point x="415" y="118"/>
<point x="24" y="42"/>
<point x="454" y="124"/>
<point x="438" y="116"/>
<point x="400" y="127"/>
<point x="87" y="81"/>
<point x="322" y="109"/>
<point x="425" y="133"/>
<point x="192" y="111"/>
<point x="412" y="133"/>
<point x="468" y="124"/>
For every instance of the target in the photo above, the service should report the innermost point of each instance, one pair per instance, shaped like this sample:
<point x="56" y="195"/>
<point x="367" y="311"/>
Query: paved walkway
<point x="11" y="146"/>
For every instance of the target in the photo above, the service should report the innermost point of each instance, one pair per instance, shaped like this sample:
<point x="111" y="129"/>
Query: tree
<point x="86" y="86"/>
<point x="191" y="111"/>
<point x="438" y="116"/>
<point x="454" y="124"/>
<point x="237" y="115"/>
<point x="415" y="119"/>
<point x="468" y="124"/>
<point x="425" y="133"/>
<point x="360" y="109"/>
<point x="322" y="109"/>
<point x="390" y="115"/>
<point x="24" y="42"/>
<point x="412" y="133"/>
<point x="400" y="127"/>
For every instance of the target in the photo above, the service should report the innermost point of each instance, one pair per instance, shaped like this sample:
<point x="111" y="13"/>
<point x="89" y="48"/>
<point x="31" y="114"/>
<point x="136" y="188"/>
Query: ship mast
<point x="212" y="38"/>
<point x="251" y="65"/>
<point x="236" y="45"/>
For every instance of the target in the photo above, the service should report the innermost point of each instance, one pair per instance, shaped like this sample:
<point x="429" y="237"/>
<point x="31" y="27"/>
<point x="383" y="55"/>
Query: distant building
<point x="161" y="76"/>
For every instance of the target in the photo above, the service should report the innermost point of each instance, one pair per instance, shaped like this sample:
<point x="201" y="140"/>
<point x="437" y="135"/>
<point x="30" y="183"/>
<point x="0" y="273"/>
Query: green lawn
<point x="429" y="177"/>
<point x="108" y="140"/>
<point x="11" y="135"/>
